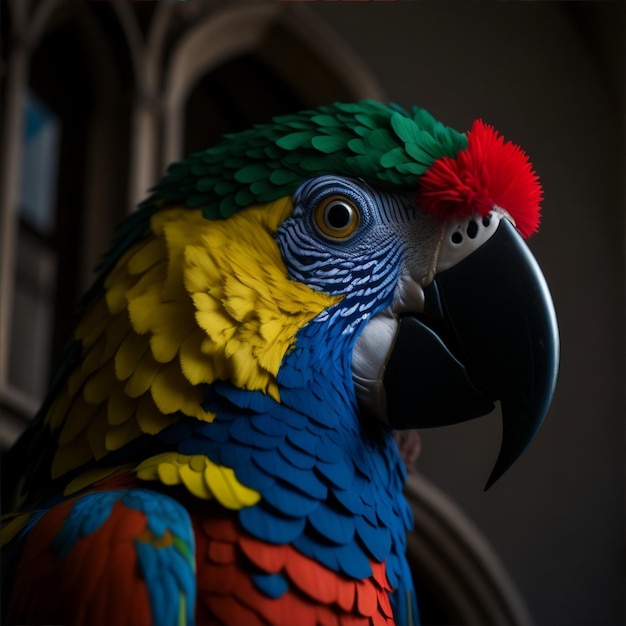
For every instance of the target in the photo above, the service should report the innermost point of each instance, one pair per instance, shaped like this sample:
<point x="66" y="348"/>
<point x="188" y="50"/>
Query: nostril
<point x="472" y="229"/>
<point x="463" y="237"/>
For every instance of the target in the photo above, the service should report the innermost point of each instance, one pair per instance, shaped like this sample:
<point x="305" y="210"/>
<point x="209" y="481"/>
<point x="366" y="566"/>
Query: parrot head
<point x="357" y="254"/>
<point x="414" y="233"/>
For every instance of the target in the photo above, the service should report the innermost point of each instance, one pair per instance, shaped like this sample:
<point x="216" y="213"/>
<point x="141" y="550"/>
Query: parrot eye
<point x="336" y="217"/>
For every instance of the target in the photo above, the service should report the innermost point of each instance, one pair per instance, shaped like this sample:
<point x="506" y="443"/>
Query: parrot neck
<point x="319" y="365"/>
<point x="326" y="481"/>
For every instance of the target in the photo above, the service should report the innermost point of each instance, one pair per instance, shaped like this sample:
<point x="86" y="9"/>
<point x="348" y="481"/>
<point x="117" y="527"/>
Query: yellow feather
<point x="148" y="472"/>
<point x="196" y="367"/>
<point x="93" y="358"/>
<point x="200" y="476"/>
<point x="194" y="481"/>
<point x="201" y="273"/>
<point x="118" y="282"/>
<point x="154" y="276"/>
<point x="168" y="474"/>
<point x="117" y="329"/>
<point x="118" y="436"/>
<point x="115" y="295"/>
<point x="240" y="300"/>
<point x="99" y="386"/>
<point x="141" y="379"/>
<point x="169" y="389"/>
<point x="129" y="353"/>
<point x="142" y="307"/>
<point x="197" y="462"/>
<point x="173" y="326"/>
<point x="147" y="469"/>
<point x="238" y="281"/>
<point x="149" y="419"/>
<point x="119" y="406"/>
<point x="228" y="491"/>
<point x="147" y="256"/>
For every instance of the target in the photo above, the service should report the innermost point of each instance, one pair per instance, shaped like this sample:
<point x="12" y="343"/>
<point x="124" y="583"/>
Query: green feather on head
<point x="381" y="144"/>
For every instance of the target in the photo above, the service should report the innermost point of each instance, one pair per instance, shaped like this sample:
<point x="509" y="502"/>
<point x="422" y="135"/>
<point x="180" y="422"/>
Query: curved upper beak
<point x="488" y="333"/>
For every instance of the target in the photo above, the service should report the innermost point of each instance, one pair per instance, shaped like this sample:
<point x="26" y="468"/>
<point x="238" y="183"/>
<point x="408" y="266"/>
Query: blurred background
<point x="98" y="97"/>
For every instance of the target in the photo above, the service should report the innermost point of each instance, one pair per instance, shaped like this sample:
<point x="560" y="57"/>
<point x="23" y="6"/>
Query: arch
<point x="289" y="39"/>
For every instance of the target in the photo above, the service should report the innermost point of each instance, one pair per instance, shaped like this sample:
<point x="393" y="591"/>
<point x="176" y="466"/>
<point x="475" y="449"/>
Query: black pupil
<point x="338" y="216"/>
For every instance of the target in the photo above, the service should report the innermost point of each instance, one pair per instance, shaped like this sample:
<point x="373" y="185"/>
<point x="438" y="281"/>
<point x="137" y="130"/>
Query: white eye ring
<point x="337" y="217"/>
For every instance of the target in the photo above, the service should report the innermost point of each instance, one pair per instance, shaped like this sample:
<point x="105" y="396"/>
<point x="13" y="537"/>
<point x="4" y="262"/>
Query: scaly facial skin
<point x="448" y="243"/>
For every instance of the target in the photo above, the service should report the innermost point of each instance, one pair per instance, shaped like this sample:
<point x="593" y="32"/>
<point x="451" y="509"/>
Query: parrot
<point x="217" y="443"/>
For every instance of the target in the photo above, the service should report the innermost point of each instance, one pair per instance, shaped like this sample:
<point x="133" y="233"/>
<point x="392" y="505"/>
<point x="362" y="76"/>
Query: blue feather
<point x="87" y="515"/>
<point x="353" y="561"/>
<point x="376" y="541"/>
<point x="235" y="455"/>
<point x="303" y="440"/>
<point x="296" y="457"/>
<point x="266" y="524"/>
<point x="350" y="501"/>
<point x="304" y="481"/>
<point x="249" y="475"/>
<point x="268" y="425"/>
<point x="340" y="474"/>
<point x="329" y="452"/>
<point x="289" y="501"/>
<point x="323" y="553"/>
<point x="331" y="524"/>
<point x="272" y="585"/>
<point x="256" y="402"/>
<point x="240" y="431"/>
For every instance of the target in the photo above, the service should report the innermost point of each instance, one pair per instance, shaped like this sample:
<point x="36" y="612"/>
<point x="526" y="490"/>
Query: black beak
<point x="488" y="333"/>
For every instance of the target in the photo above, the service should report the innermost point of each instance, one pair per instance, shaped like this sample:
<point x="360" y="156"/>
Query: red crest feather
<point x="488" y="172"/>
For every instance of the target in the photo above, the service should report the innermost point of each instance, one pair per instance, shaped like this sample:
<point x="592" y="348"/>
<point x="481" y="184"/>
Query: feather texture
<point x="202" y="456"/>
<point x="287" y="584"/>
<point x="216" y="305"/>
<point x="136" y="547"/>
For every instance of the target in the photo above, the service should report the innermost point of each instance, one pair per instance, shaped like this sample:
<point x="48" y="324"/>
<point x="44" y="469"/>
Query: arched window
<point x="100" y="98"/>
<point x="239" y="93"/>
<point x="64" y="175"/>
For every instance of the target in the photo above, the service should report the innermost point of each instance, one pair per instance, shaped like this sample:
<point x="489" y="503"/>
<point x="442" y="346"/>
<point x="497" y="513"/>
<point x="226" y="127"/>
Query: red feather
<point x="488" y="172"/>
<point x="227" y="594"/>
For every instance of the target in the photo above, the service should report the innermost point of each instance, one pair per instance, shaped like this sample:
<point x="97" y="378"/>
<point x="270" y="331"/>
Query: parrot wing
<point x="117" y="557"/>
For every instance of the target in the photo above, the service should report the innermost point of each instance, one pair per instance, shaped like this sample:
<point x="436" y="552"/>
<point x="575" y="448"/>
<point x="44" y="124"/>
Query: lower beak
<point x="488" y="333"/>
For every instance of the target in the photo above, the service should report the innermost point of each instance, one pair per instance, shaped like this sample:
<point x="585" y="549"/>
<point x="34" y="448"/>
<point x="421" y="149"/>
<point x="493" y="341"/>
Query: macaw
<point x="217" y="445"/>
